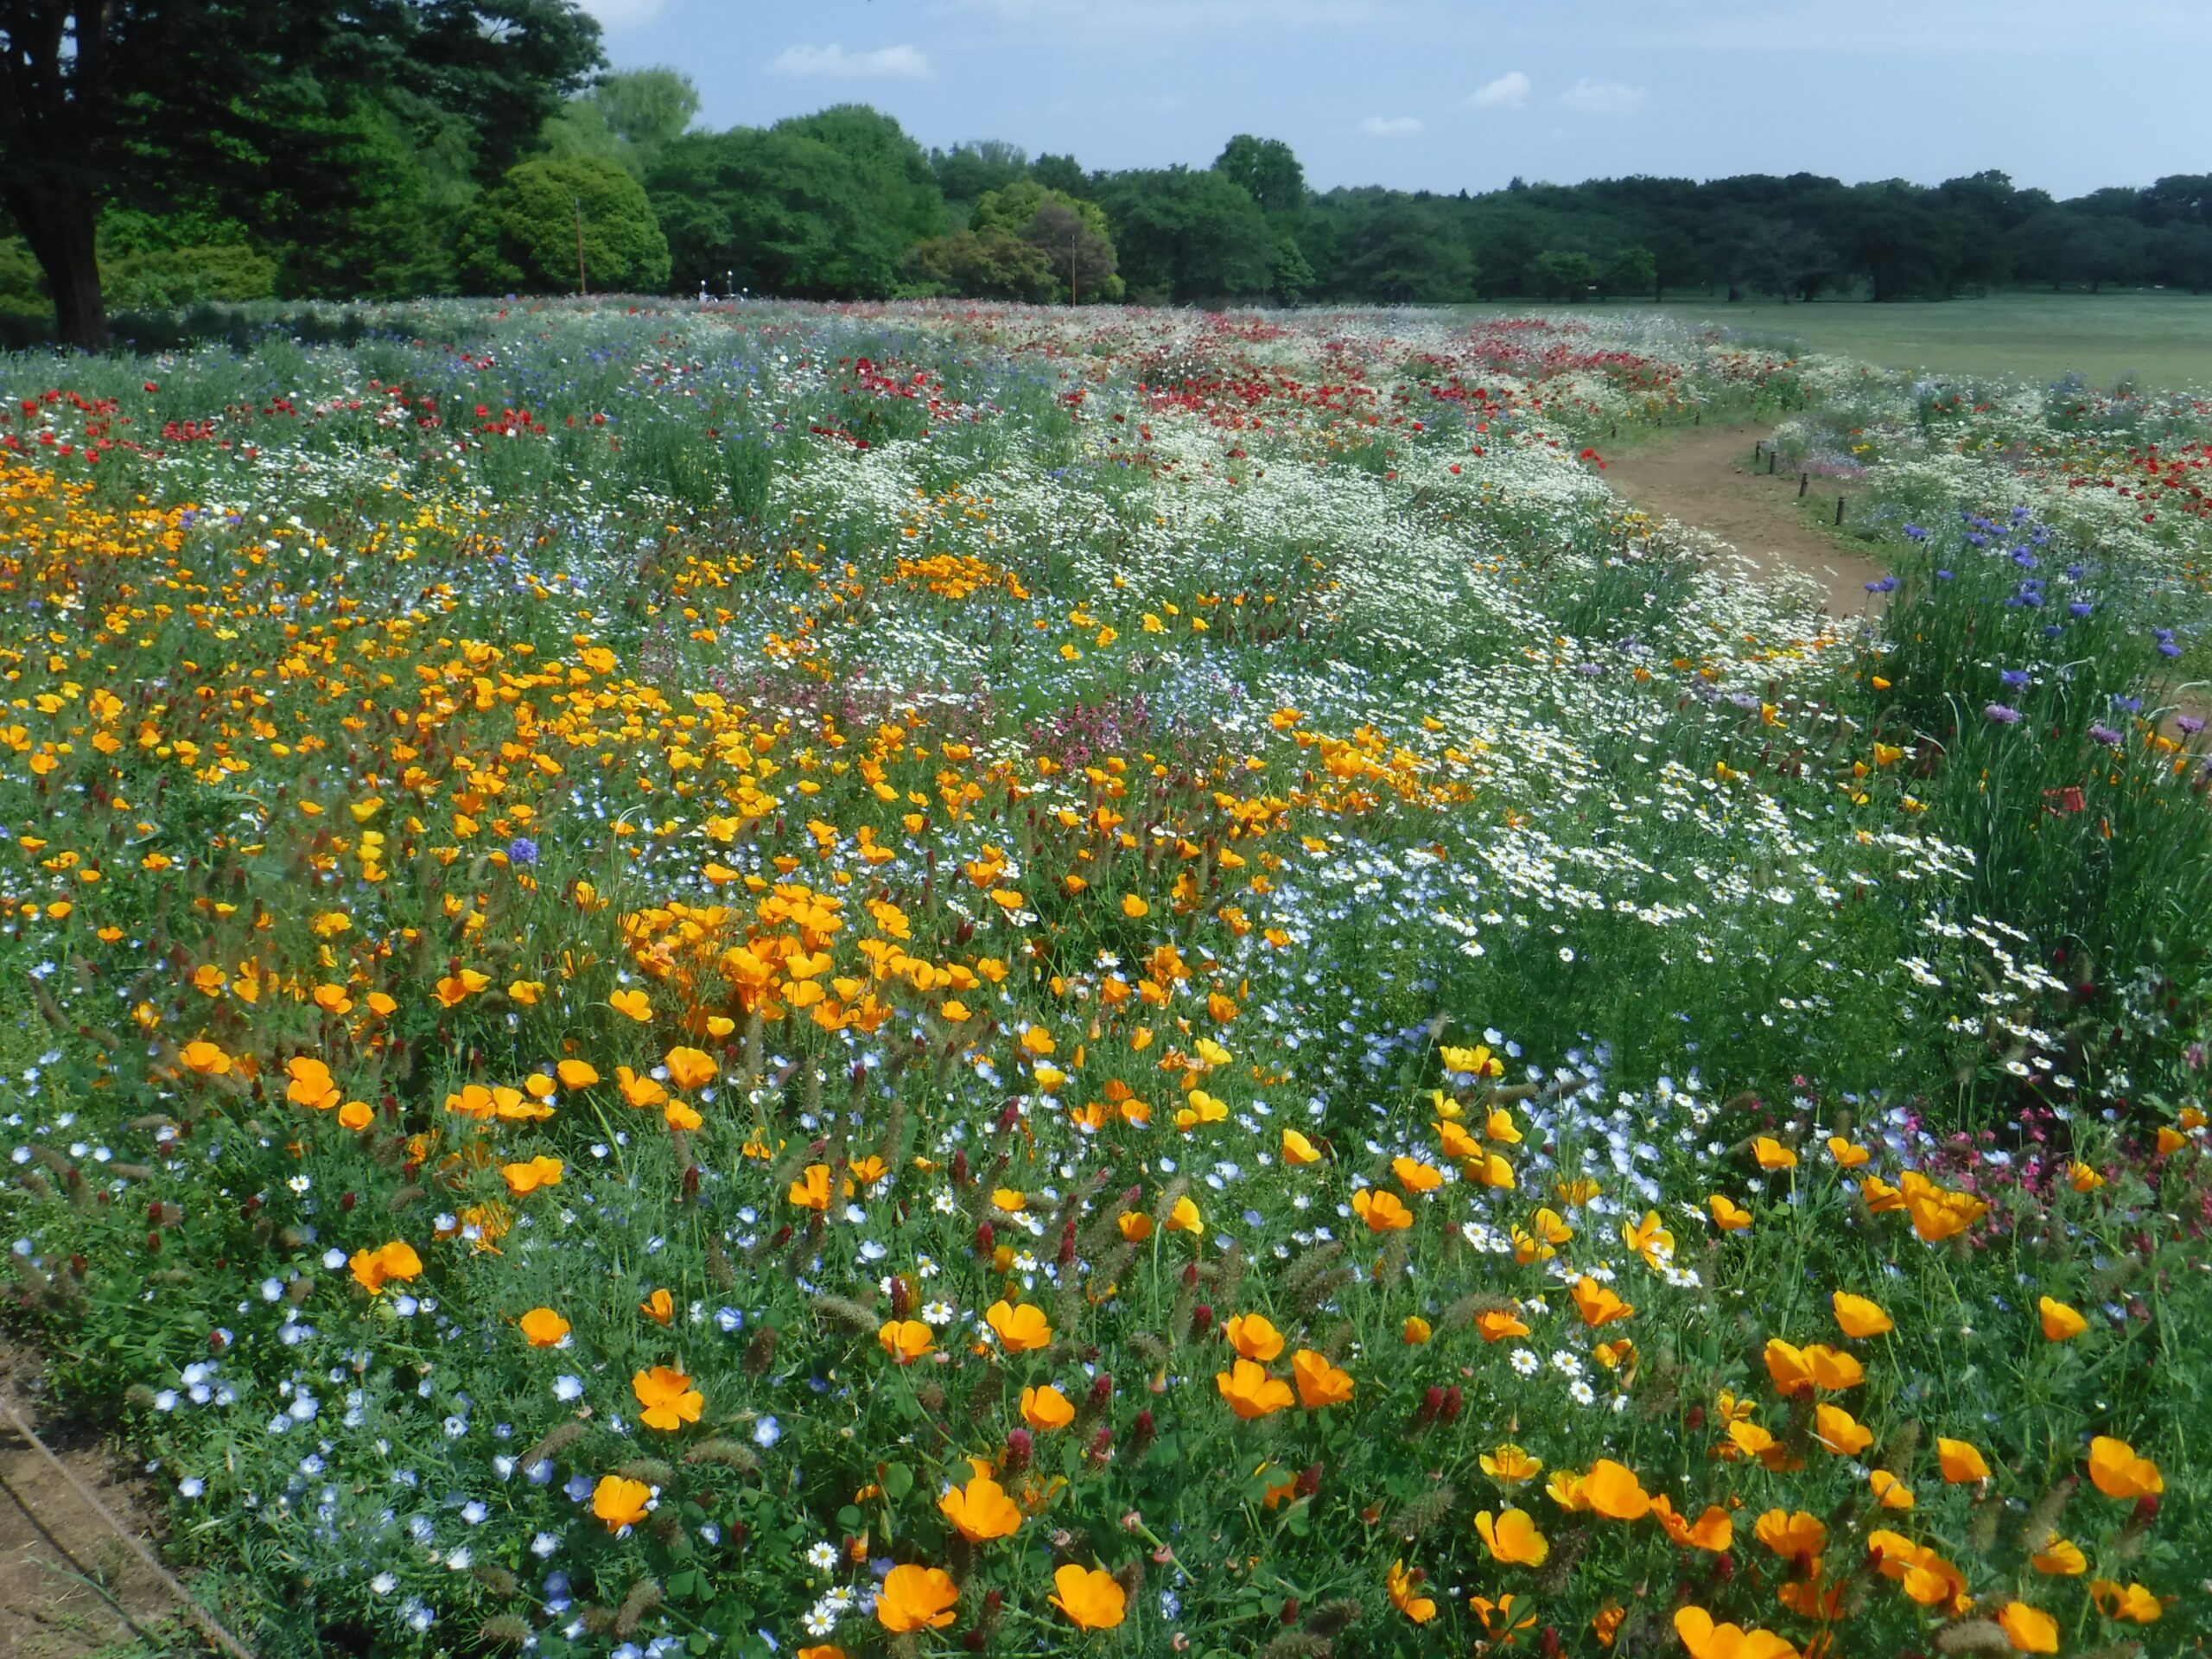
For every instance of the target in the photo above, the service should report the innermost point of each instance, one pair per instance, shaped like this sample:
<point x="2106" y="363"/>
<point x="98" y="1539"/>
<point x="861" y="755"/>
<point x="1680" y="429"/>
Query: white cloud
<point x="1509" y="91"/>
<point x="1602" y="98"/>
<point x="833" y="62"/>
<point x="616" y="16"/>
<point x="1390" y="126"/>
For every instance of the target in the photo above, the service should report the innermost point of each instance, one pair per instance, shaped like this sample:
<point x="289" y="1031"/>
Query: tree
<point x="991" y="263"/>
<point x="1266" y="168"/>
<point x="1071" y="235"/>
<point x="1565" y="273"/>
<point x="968" y="171"/>
<point x="626" y="117"/>
<point x="1629" y="271"/>
<point x="530" y="232"/>
<point x="145" y="103"/>
<point x="1186" y="235"/>
<point x="1062" y="173"/>
<point x="1398" y="250"/>
<point x="823" y="206"/>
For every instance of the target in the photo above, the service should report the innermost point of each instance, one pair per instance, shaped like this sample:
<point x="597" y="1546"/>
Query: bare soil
<point x="69" y="1587"/>
<point x="1705" y="479"/>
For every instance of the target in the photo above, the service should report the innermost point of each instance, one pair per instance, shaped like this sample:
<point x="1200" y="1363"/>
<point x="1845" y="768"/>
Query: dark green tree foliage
<point x="1024" y="242"/>
<point x="824" y="207"/>
<point x="549" y="214"/>
<point x="254" y="106"/>
<point x="967" y="172"/>
<point x="1398" y="250"/>
<point x="1185" y="236"/>
<point x="991" y="263"/>
<point x="626" y="117"/>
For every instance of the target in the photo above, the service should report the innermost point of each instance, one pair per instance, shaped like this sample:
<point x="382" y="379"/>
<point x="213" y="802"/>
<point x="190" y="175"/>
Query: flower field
<point x="907" y="979"/>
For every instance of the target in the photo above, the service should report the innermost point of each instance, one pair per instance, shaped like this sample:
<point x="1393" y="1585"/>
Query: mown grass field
<point x="2159" y="342"/>
<point x="967" y="979"/>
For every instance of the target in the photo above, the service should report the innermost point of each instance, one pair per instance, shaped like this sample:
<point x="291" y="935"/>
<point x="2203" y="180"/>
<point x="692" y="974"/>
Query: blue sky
<point x="1447" y="94"/>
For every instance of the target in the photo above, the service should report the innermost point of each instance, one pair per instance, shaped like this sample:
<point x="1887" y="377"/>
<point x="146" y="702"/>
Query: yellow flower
<point x="1252" y="1336"/>
<point x="576" y="1074"/>
<point x="2133" y="1603"/>
<point x="2030" y="1630"/>
<point x="2060" y="1557"/>
<point x="1962" y="1462"/>
<point x="1772" y="1154"/>
<point x="1185" y="1219"/>
<point x="812" y="1190"/>
<point x="1512" y="1538"/>
<point x="1089" y="1597"/>
<point x="668" y="1398"/>
<point x="1613" y="1489"/>
<point x="1382" y="1212"/>
<point x="905" y="1340"/>
<point x="1250" y="1391"/>
<point x="1319" y="1383"/>
<point x="1510" y="1465"/>
<point x="1296" y="1149"/>
<point x="373" y="1269"/>
<point x="2117" y="1472"/>
<point x="620" y="1502"/>
<point x="633" y="1003"/>
<point x="1597" y="1305"/>
<point x="205" y="1058"/>
<point x="1047" y="1408"/>
<point x="525" y="1179"/>
<point x="543" y="1328"/>
<point x="1404" y="1588"/>
<point x="1728" y="1215"/>
<point x="1022" y="1329"/>
<point x="690" y="1068"/>
<point x="1706" y="1640"/>
<point x="1856" y="1316"/>
<point x="915" y="1599"/>
<point x="2060" y="1322"/>
<point x="1415" y="1330"/>
<point x="980" y="1510"/>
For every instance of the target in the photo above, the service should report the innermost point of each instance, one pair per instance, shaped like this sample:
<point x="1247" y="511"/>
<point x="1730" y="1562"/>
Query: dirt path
<point x="1704" y="480"/>
<point x="69" y="1587"/>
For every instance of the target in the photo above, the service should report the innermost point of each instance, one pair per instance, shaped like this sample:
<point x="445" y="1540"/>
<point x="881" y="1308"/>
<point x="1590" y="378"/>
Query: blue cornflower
<point x="522" y="850"/>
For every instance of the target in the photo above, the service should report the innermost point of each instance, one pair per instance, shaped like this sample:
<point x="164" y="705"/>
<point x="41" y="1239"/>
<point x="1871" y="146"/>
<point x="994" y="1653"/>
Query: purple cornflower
<point x="1886" y="585"/>
<point x="1915" y="533"/>
<point x="2106" y="735"/>
<point x="522" y="850"/>
<point x="2002" y="716"/>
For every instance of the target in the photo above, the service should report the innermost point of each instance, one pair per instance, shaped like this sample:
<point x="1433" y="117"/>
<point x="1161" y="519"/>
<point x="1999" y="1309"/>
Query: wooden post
<point x="1804" y="483"/>
<point x="1839" y="512"/>
<point x="1758" y="452"/>
<point x="1772" y="455"/>
<point x="580" y="289"/>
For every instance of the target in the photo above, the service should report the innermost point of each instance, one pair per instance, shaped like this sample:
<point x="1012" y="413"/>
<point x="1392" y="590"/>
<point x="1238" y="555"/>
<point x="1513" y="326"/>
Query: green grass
<point x="2153" y="340"/>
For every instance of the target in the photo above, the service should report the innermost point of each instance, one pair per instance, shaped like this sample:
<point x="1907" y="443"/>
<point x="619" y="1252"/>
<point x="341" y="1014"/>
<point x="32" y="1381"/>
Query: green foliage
<point x="626" y="117"/>
<point x="989" y="263"/>
<point x="1566" y="273"/>
<point x="824" y="207"/>
<point x="1188" y="235"/>
<point x="524" y="233"/>
<point x="171" y="278"/>
<point x="1399" y="252"/>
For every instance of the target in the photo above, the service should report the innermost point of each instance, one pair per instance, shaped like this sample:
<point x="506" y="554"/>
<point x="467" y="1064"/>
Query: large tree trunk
<point x="62" y="230"/>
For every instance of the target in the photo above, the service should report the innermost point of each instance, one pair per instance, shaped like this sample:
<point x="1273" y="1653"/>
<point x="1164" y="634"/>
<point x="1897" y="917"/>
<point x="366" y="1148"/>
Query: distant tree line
<point x="446" y="146"/>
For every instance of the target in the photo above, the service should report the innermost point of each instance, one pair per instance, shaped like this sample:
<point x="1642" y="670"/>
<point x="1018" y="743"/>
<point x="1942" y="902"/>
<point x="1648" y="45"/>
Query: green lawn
<point x="2152" y="339"/>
